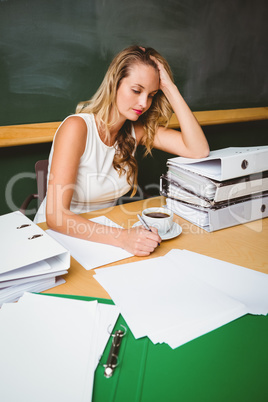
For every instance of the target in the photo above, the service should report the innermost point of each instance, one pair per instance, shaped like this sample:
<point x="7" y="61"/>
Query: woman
<point x="92" y="159"/>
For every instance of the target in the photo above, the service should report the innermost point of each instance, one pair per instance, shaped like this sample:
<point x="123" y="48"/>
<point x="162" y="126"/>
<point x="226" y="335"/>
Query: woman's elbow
<point x="204" y="153"/>
<point x="55" y="213"/>
<point x="51" y="221"/>
<point x="54" y="217"/>
<point x="199" y="153"/>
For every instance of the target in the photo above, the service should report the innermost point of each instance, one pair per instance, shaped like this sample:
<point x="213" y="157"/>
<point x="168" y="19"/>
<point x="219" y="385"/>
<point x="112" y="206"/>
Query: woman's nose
<point x="143" y="100"/>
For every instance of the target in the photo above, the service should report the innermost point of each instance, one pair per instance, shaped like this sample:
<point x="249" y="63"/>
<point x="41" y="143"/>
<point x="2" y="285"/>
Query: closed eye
<point x="135" y="91"/>
<point x="153" y="94"/>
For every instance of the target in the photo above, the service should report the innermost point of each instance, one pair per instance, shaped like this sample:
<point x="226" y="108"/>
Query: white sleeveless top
<point x="98" y="184"/>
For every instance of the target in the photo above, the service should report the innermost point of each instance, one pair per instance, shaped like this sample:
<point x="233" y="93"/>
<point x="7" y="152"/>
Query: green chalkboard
<point x="54" y="53"/>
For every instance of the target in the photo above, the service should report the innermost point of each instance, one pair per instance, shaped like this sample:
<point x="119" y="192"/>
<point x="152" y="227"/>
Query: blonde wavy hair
<point x="104" y="100"/>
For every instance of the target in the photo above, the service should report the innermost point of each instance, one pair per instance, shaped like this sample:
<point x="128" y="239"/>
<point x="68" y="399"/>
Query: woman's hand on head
<point x="165" y="80"/>
<point x="139" y="241"/>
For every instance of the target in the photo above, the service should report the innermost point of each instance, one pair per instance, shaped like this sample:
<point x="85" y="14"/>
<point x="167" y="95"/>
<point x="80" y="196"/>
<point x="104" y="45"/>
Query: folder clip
<point x="35" y="236"/>
<point x="112" y="361"/>
<point x="25" y="225"/>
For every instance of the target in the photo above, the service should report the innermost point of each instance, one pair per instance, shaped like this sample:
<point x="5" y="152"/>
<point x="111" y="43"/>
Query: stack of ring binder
<point x="228" y="188"/>
<point x="30" y="259"/>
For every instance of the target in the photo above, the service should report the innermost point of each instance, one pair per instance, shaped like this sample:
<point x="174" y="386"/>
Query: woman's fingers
<point x="142" y="242"/>
<point x="165" y="79"/>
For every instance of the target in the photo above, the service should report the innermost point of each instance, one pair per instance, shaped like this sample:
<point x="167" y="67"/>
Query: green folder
<point x="229" y="364"/>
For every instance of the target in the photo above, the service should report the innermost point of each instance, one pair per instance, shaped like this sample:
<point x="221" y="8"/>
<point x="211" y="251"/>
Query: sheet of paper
<point x="178" y="335"/>
<point x="243" y="284"/>
<point x="38" y="357"/>
<point x="183" y="295"/>
<point x="128" y="285"/>
<point x="166" y="298"/>
<point x="91" y="254"/>
<point x="47" y="348"/>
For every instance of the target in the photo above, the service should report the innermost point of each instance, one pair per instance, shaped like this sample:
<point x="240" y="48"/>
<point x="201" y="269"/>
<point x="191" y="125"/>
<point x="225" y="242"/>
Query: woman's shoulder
<point x="72" y="132"/>
<point x="73" y="124"/>
<point x="80" y="122"/>
<point x="79" y="117"/>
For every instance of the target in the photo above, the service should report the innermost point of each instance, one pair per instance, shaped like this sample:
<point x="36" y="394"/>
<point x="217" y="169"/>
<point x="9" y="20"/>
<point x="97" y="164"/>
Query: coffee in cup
<point x="158" y="217"/>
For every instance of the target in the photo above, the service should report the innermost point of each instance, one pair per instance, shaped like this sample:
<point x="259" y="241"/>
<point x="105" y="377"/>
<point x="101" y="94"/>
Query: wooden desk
<point x="245" y="245"/>
<point x="228" y="364"/>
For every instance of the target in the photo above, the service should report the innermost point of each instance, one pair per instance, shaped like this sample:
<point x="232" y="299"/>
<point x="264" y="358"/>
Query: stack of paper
<point x="50" y="347"/>
<point x="88" y="253"/>
<point x="30" y="259"/>
<point x="181" y="296"/>
<point x="227" y="188"/>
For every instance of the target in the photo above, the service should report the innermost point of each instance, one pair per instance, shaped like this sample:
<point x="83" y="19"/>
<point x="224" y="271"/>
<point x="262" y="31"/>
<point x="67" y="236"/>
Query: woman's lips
<point x="138" y="111"/>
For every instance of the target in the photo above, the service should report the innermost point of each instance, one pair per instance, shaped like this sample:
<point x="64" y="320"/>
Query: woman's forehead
<point x="144" y="75"/>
